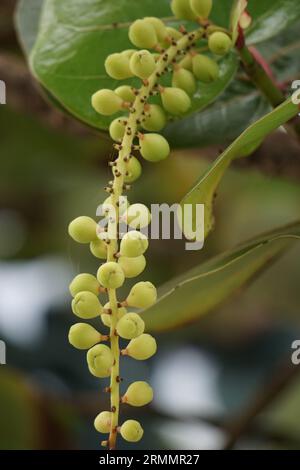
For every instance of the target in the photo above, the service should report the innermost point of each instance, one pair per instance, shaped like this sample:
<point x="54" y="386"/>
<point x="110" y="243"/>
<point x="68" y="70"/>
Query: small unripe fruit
<point x="158" y="25"/>
<point x="138" y="394"/>
<point x="173" y="33"/>
<point x="185" y="80"/>
<point x="128" y="53"/>
<point x="175" y="100"/>
<point x="219" y="43"/>
<point x="117" y="129"/>
<point x="133" y="170"/>
<point x="156" y="118"/>
<point x="132" y="267"/>
<point x="130" y="326"/>
<point x="111" y="275"/>
<point x="142" y="295"/>
<point x="142" y="348"/>
<point x="182" y="10"/>
<point x="83" y="229"/>
<point x="142" y="34"/>
<point x="117" y="66"/>
<point x="126" y="93"/>
<point x="131" y="431"/>
<point x="102" y="422"/>
<point x="100" y="360"/>
<point x="137" y="216"/>
<point x="84" y="282"/>
<point x="107" y="205"/>
<point x="205" y="69"/>
<point x="99" y="249"/>
<point x="106" y="318"/>
<point x="106" y="102"/>
<point x="142" y="64"/>
<point x="154" y="147"/>
<point x="83" y="336"/>
<point x="133" y="244"/>
<point x="201" y="8"/>
<point x="86" y="305"/>
<point x="187" y="62"/>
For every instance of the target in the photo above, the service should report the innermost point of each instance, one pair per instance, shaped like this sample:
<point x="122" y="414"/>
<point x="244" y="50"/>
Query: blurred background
<point x="224" y="381"/>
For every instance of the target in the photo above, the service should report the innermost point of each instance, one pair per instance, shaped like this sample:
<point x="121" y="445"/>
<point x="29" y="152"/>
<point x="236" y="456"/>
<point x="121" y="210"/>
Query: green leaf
<point x="203" y="192"/>
<point x="187" y="298"/>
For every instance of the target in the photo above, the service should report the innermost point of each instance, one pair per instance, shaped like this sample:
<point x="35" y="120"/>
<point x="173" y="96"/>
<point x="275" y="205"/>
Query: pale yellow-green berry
<point x="132" y="267"/>
<point x="185" y="80"/>
<point x="130" y="326"/>
<point x="187" y="62"/>
<point x="156" y="118"/>
<point x="133" y="244"/>
<point x="141" y="348"/>
<point x="128" y="53"/>
<point x="142" y="64"/>
<point x="142" y="295"/>
<point x="173" y="33"/>
<point x="175" y="100"/>
<point x="100" y="360"/>
<point x="205" y="69"/>
<point x="182" y="10"/>
<point x="117" y="129"/>
<point x="106" y="102"/>
<point x="154" y="147"/>
<point x="158" y="25"/>
<point x="126" y="93"/>
<point x="99" y="249"/>
<point x="201" y="8"/>
<point x="111" y="275"/>
<point x="143" y="35"/>
<point x="117" y="66"/>
<point x="138" y="394"/>
<point x="106" y="318"/>
<point x="86" y="305"/>
<point x="103" y="421"/>
<point x="131" y="431"/>
<point x="107" y="206"/>
<point x="137" y="216"/>
<point x="83" y="229"/>
<point x="84" y="282"/>
<point x="133" y="170"/>
<point x="83" y="336"/>
<point x="219" y="43"/>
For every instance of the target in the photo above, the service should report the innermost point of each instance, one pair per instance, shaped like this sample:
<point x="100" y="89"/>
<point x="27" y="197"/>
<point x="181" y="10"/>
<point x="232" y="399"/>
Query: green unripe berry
<point x="117" y="66"/>
<point x="142" y="348"/>
<point x="131" y="431"/>
<point x="126" y="93"/>
<point x="103" y="421"/>
<point x="156" y="118"/>
<point x="154" y="147"/>
<point x="175" y="100"/>
<point x="133" y="170"/>
<point x="137" y="216"/>
<point x="182" y="10"/>
<point x="123" y="205"/>
<point x="99" y="249"/>
<point x="84" y="282"/>
<point x="142" y="295"/>
<point x="133" y="244"/>
<point x="130" y="326"/>
<point x="83" y="229"/>
<point x="142" y="64"/>
<point x="117" y="129"/>
<point x="205" y="69"/>
<point x="106" y="102"/>
<point x="83" y="336"/>
<point x="173" y="33"/>
<point x="219" y="43"/>
<point x="138" y="394"/>
<point x="111" y="275"/>
<point x="185" y="80"/>
<point x="106" y="318"/>
<point x="132" y="267"/>
<point x="128" y="53"/>
<point x="201" y="8"/>
<point x="86" y="305"/>
<point x="100" y="360"/>
<point x="158" y="25"/>
<point x="142" y="34"/>
<point x="187" y="62"/>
